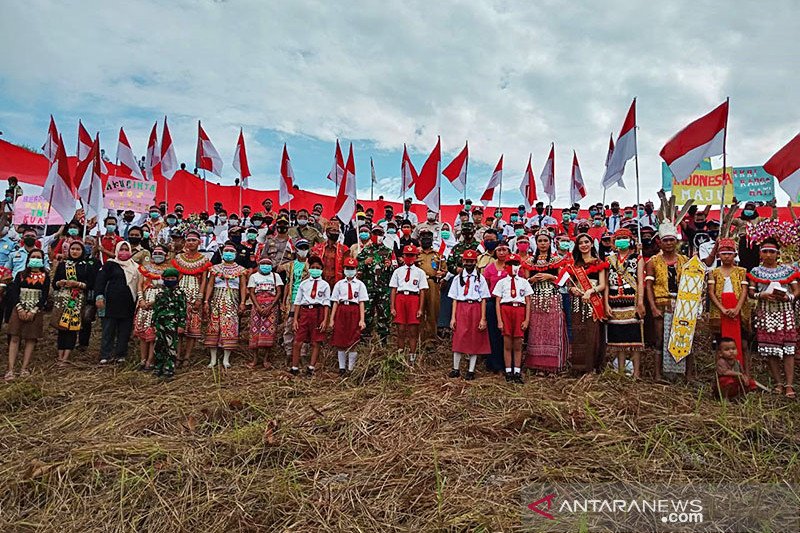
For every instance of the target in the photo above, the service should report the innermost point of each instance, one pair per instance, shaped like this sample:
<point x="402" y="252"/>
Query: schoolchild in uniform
<point x="310" y="311"/>
<point x="469" y="292"/>
<point x="513" y="310"/>
<point x="408" y="285"/>
<point x="347" y="316"/>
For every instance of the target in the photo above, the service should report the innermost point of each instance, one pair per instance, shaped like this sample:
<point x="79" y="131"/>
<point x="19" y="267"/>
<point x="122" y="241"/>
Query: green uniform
<point x="376" y="277"/>
<point x="454" y="261"/>
<point x="169" y="314"/>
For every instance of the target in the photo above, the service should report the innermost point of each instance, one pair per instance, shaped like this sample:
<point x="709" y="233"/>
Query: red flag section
<point x="456" y="171"/>
<point x="705" y="137"/>
<point x="428" y="183"/>
<point x="785" y="166"/>
<point x="240" y="160"/>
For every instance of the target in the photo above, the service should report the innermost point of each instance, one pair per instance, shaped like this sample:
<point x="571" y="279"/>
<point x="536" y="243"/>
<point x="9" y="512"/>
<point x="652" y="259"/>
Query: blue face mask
<point x="748" y="212"/>
<point x="89" y="249"/>
<point x="72" y="232"/>
<point x="170" y="283"/>
<point x="445" y="234"/>
<point x="315" y="272"/>
<point x="641" y="211"/>
<point x="364" y="236"/>
<point x="228" y="256"/>
<point x="36" y="262"/>
<point x="490" y="245"/>
<point x="154" y="215"/>
<point x="391" y="231"/>
<point x="573" y="216"/>
<point x="265" y="269"/>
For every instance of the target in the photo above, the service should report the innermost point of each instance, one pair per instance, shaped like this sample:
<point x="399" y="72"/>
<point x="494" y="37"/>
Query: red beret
<point x="470" y="254"/>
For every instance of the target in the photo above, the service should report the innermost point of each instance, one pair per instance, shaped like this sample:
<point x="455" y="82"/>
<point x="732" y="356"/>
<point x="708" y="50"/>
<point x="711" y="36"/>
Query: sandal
<point x="267" y="365"/>
<point x="778" y="389"/>
<point x="789" y="392"/>
<point x="24" y="373"/>
<point x="251" y="365"/>
<point x="9" y="375"/>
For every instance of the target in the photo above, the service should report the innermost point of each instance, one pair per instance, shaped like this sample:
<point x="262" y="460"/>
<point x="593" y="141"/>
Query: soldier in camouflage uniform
<point x="375" y="268"/>
<point x="467" y="242"/>
<point x="169" y="317"/>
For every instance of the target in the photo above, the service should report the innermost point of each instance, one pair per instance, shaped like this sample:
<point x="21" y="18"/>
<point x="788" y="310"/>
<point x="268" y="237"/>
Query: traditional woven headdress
<point x="726" y="245"/>
<point x="670" y="216"/>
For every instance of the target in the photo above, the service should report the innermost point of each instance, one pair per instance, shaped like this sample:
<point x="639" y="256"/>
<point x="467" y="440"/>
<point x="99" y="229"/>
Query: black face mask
<point x="29" y="241"/>
<point x="646" y="241"/>
<point x="333" y="236"/>
<point x="615" y="210"/>
<point x="539" y="210"/>
<point x="426" y="242"/>
<point x="236" y="239"/>
<point x="468" y="234"/>
<point x="135" y="240"/>
<point x="282" y="229"/>
<point x="699" y="225"/>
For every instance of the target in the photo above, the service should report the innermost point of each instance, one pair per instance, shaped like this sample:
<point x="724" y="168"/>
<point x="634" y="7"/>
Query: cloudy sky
<point x="509" y="76"/>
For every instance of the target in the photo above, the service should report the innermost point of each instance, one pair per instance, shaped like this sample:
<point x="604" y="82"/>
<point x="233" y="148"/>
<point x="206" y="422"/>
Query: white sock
<point x="351" y="364"/>
<point x="226" y="356"/>
<point x="472" y="360"/>
<point x="342" y="359"/>
<point x="295" y="368"/>
<point x="456" y="360"/>
<point x="517" y="370"/>
<point x="508" y="370"/>
<point x="213" y="357"/>
<point x="310" y="367"/>
<point x="412" y="357"/>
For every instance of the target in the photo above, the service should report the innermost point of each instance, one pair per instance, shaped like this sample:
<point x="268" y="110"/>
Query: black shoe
<point x="470" y="376"/>
<point x="309" y="371"/>
<point x="518" y="378"/>
<point x="342" y="372"/>
<point x="509" y="377"/>
<point x="455" y="373"/>
<point x="294" y="371"/>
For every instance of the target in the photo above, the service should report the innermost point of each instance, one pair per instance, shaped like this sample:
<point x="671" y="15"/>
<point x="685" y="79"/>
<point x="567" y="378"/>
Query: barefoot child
<point x="310" y="312"/>
<point x="265" y="288"/>
<point x="169" y="320"/>
<point x="727" y="290"/>
<point x="513" y="309"/>
<point x="408" y="284"/>
<point x="347" y="316"/>
<point x="732" y="382"/>
<point x="469" y="292"/>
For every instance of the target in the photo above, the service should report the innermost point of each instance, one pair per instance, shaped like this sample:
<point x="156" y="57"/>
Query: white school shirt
<point x="478" y="287"/>
<point x="416" y="282"/>
<point x="339" y="293"/>
<point x="303" y="296"/>
<point x="503" y="290"/>
<point x="264" y="282"/>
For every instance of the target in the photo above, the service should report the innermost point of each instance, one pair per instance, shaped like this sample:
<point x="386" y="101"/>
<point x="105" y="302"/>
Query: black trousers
<point x="66" y="340"/>
<point x="116" y="336"/>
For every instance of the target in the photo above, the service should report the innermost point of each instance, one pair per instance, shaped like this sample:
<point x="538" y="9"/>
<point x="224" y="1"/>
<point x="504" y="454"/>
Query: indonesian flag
<point x="705" y="137"/>
<point x="286" y="182"/>
<point x="428" y="183"/>
<point x="548" y="175"/>
<point x="85" y="144"/>
<point x="623" y="151"/>
<point x="408" y="174"/>
<point x="58" y="188"/>
<point x="528" y="186"/>
<point x="87" y="174"/>
<point x="621" y="182"/>
<point x="337" y="171"/>
<point x="207" y="156"/>
<point x="240" y="160"/>
<point x="785" y="166"/>
<point x="152" y="159"/>
<point x="125" y="157"/>
<point x="577" y="190"/>
<point x="345" y="205"/>
<point x="169" y="162"/>
<point x="495" y="181"/>
<point x="50" y="146"/>
<point x="456" y="171"/>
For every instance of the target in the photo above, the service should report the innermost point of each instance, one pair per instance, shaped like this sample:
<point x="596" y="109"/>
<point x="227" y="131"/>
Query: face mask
<point x="159" y="258"/>
<point x="146" y="235"/>
<point x="431" y="217"/>
<point x="523" y="246"/>
<point x="170" y="283"/>
<point x="302" y="222"/>
<point x="89" y="249"/>
<point x="363" y="235"/>
<point x="622" y="244"/>
<point x="514" y="269"/>
<point x="265" y="269"/>
<point x="446" y="234"/>
<point x="282" y="229"/>
<point x="749" y="212"/>
<point x="251" y="237"/>
<point x="648" y="209"/>
<point x="135" y="240"/>
<point x="646" y="241"/>
<point x="391" y="231"/>
<point x="315" y="272"/>
<point x="513" y="218"/>
<point x="256" y="222"/>
<point x="409" y="260"/>
<point x="539" y="210"/>
<point x="592" y="212"/>
<point x="233" y="222"/>
<point x="519" y="232"/>
<point x="36" y="263"/>
<point x="72" y="232"/>
<point x="333" y="237"/>
<point x="490" y="245"/>
<point x="597" y="223"/>
<point x="228" y="256"/>
<point x="406" y="231"/>
<point x="468" y="235"/>
<point x="350" y="272"/>
<point x="641" y="211"/>
<point x="302" y="253"/>
<point x="8" y="199"/>
<point x="29" y="241"/>
<point x="123" y="255"/>
<point x="565" y="245"/>
<point x="236" y="239"/>
<point x="565" y="217"/>
<point x="573" y="216"/>
<point x="628" y="214"/>
<point x="469" y="267"/>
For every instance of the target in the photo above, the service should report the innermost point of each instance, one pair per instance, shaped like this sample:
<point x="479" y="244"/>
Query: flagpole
<point x="371" y="180"/>
<point x="636" y="163"/>
<point x="205" y="188"/>
<point x="466" y="169"/>
<point x="240" y="195"/>
<point x="724" y="166"/>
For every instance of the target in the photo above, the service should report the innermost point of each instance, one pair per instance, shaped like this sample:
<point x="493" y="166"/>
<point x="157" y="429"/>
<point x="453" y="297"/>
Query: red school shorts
<point x="513" y="317"/>
<point x="308" y="322"/>
<point x="406" y="307"/>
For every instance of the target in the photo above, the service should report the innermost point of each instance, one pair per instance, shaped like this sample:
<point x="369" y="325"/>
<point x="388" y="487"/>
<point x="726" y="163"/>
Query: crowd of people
<point x="530" y="291"/>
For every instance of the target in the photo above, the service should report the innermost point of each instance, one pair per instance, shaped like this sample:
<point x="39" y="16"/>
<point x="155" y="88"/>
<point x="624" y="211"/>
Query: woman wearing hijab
<point x="115" y="297"/>
<point x="27" y="296"/>
<point x="72" y="278"/>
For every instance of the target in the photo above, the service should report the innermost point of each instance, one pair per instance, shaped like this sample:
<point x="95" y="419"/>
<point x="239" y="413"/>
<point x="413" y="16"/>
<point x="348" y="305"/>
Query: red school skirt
<point x="513" y="317"/>
<point x="346" y="332"/>
<point x="467" y="338"/>
<point x="308" y="322"/>
<point x="406" y="307"/>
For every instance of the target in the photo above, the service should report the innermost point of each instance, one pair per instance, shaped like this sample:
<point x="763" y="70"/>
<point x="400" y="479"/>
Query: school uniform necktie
<point x="349" y="291"/>
<point x="314" y="289"/>
<point x="466" y="285"/>
<point x="408" y="274"/>
<point x="513" y="287"/>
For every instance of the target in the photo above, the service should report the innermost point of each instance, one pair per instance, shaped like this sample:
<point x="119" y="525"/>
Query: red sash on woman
<point x="732" y="327"/>
<point x="581" y="278"/>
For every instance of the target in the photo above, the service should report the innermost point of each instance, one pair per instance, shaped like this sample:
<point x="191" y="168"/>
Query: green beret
<point x="170" y="272"/>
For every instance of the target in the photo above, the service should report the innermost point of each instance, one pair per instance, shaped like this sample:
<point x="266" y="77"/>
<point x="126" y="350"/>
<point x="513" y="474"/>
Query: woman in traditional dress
<point x="150" y="284"/>
<point x="775" y="287"/>
<point x="624" y="302"/>
<point x="588" y="275"/>
<point x="72" y="278"/>
<point x="27" y="296"/>
<point x="548" y="347"/>
<point x="729" y="312"/>
<point x="494" y="272"/>
<point x="192" y="266"/>
<point x="265" y="288"/>
<point x="226" y="292"/>
<point x="115" y="296"/>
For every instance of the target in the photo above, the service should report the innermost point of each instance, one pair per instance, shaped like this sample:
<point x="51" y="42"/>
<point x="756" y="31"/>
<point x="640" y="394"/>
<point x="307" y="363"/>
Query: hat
<point x="667" y="229"/>
<point x="361" y="214"/>
<point x="467" y="225"/>
<point x="170" y="272"/>
<point x="470" y="254"/>
<point x="726" y="245"/>
<point x="363" y="227"/>
<point x="623" y="233"/>
<point x="410" y="249"/>
<point x="301" y="242"/>
<point x="350" y="262"/>
<point x="265" y="261"/>
<point x="514" y="258"/>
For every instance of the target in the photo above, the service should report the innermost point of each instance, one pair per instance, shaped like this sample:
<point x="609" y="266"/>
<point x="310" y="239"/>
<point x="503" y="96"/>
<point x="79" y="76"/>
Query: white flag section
<point x="456" y="171"/>
<point x="345" y="205"/>
<point x="152" y="159"/>
<point x="58" y="188"/>
<point x="548" y="175"/>
<point x="286" y="181"/>
<point x="85" y="143"/>
<point x="240" y="160"/>
<point x="528" y="186"/>
<point x="207" y="157"/>
<point x="50" y="146"/>
<point x="125" y="157"/>
<point x="90" y="188"/>
<point x="337" y="171"/>
<point x="495" y="181"/>
<point x="577" y="189"/>
<point x="408" y="174"/>
<point x="624" y="150"/>
<point x="169" y="161"/>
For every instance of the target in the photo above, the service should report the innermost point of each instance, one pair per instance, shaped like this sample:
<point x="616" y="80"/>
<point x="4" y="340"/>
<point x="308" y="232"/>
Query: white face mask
<point x="302" y="222"/>
<point x="350" y="272"/>
<point x="515" y="269"/>
<point x="223" y="220"/>
<point x="302" y="253"/>
<point x="431" y="217"/>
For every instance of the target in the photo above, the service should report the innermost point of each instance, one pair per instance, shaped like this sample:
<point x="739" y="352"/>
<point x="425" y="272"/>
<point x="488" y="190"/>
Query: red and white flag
<point x="495" y="181"/>
<point x="207" y="157"/>
<point x="125" y="157"/>
<point x="785" y="166"/>
<point x="337" y="171"/>
<point x="240" y="160"/>
<point x="528" y="187"/>
<point x="577" y="190"/>
<point x="286" y="182"/>
<point x="623" y="151"/>
<point x="408" y="174"/>
<point x="345" y="205"/>
<point x="705" y="137"/>
<point x="169" y="161"/>
<point x="456" y="171"/>
<point x="58" y="188"/>
<point x="50" y="146"/>
<point x="428" y="182"/>
<point x="85" y="144"/>
<point x="152" y="159"/>
<point x="90" y="186"/>
<point x="548" y="175"/>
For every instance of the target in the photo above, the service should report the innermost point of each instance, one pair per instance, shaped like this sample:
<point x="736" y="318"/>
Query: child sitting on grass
<point x="732" y="382"/>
